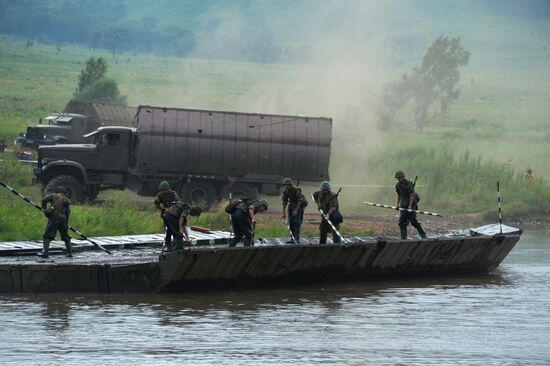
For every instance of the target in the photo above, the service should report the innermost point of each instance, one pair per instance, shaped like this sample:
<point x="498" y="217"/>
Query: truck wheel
<point x="75" y="189"/>
<point x="239" y="190"/>
<point x="200" y="193"/>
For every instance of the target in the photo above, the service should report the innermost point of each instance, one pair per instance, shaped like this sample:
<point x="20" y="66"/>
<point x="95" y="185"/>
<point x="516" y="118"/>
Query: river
<point x="497" y="319"/>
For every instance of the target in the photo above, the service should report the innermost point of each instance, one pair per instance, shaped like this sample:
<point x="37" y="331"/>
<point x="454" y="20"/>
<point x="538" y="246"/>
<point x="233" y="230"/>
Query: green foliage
<point x="458" y="184"/>
<point x="433" y="81"/>
<point x="94" y="70"/>
<point x="93" y="86"/>
<point x="104" y="90"/>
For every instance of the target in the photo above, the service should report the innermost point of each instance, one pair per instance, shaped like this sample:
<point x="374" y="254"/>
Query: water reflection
<point x="56" y="307"/>
<point x="500" y="318"/>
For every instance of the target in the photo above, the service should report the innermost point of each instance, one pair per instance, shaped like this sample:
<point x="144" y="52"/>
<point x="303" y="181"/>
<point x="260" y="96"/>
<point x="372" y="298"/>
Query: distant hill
<point x="280" y="31"/>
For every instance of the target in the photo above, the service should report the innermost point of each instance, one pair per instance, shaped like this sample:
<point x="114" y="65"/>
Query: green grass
<point x="499" y="126"/>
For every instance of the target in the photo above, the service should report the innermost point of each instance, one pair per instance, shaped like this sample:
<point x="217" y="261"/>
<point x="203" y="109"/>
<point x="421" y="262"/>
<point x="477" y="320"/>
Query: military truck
<point x="77" y="119"/>
<point x="204" y="154"/>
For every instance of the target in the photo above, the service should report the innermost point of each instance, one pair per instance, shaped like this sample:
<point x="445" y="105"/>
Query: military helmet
<point x="264" y="203"/>
<point x="164" y="185"/>
<point x="325" y="185"/>
<point x="59" y="189"/>
<point x="399" y="174"/>
<point x="287" y="181"/>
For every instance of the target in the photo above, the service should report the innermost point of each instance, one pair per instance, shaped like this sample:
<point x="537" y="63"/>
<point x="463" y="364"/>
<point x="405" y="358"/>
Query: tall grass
<point x="460" y="183"/>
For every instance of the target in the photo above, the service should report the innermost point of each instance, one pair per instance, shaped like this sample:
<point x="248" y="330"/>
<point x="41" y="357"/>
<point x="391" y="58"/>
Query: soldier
<point x="175" y="220"/>
<point x="243" y="220"/>
<point x="328" y="202"/>
<point x="58" y="220"/>
<point x="529" y="175"/>
<point x="295" y="209"/>
<point x="166" y="198"/>
<point x="407" y="199"/>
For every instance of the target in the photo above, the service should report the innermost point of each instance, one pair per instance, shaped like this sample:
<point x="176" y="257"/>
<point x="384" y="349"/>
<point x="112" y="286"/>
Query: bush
<point x="103" y="90"/>
<point x="462" y="183"/>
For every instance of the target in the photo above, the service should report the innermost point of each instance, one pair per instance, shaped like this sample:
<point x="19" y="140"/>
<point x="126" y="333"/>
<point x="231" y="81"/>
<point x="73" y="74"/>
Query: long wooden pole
<point x="402" y="209"/>
<point x="499" y="209"/>
<point x="324" y="215"/>
<point x="41" y="209"/>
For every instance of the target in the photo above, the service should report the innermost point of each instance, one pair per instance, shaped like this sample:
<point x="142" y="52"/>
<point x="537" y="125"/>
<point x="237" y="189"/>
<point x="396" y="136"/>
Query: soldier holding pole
<point x="408" y="200"/>
<point x="58" y="220"/>
<point x="327" y="201"/>
<point x="294" y="202"/>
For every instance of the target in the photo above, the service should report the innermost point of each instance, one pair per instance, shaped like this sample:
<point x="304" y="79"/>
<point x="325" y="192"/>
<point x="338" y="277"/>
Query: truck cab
<point x="57" y="128"/>
<point x="86" y="169"/>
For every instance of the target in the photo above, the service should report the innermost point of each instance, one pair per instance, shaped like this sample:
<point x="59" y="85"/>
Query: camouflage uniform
<point x="327" y="202"/>
<point x="171" y="217"/>
<point x="242" y="222"/>
<point x="405" y="189"/>
<point x="164" y="200"/>
<point x="292" y="197"/>
<point x="58" y="220"/>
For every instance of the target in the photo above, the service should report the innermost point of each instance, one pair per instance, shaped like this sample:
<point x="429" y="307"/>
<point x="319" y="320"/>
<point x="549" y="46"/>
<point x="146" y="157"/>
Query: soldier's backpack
<point x="231" y="206"/>
<point x="337" y="218"/>
<point x="304" y="201"/>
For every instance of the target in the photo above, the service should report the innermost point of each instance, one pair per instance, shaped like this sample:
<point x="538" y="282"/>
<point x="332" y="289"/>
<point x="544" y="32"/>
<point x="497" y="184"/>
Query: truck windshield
<point x="59" y="120"/>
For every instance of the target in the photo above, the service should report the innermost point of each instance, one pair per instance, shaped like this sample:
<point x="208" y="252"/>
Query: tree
<point x="433" y="81"/>
<point x="94" y="86"/>
<point x="94" y="70"/>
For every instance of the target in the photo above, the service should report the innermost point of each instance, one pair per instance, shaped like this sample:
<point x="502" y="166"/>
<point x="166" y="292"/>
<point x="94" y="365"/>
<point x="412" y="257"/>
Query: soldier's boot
<point x="248" y="242"/>
<point x="46" y="248"/>
<point x="421" y="231"/>
<point x="69" y="248"/>
<point x="403" y="232"/>
<point x="168" y="245"/>
<point x="234" y="241"/>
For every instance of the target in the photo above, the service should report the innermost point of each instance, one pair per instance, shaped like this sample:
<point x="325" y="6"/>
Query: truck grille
<point x="34" y="133"/>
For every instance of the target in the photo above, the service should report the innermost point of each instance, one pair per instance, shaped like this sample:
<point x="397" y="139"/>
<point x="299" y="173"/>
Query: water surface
<point x="497" y="319"/>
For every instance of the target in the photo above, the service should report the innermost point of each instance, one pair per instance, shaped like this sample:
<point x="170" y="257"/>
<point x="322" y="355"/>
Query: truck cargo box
<point x="174" y="140"/>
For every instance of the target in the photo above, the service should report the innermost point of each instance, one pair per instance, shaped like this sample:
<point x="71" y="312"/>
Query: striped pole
<point x="403" y="209"/>
<point x="499" y="209"/>
<point x="290" y="231"/>
<point x="230" y="219"/>
<point x="84" y="237"/>
<point x="328" y="220"/>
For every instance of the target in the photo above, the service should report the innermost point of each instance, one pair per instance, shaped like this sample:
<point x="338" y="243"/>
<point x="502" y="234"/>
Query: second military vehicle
<point x="77" y="119"/>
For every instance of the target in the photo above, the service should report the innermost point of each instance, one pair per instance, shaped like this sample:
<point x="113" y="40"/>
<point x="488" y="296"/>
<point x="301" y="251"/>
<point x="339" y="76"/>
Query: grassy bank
<point x="460" y="183"/>
<point x="497" y="128"/>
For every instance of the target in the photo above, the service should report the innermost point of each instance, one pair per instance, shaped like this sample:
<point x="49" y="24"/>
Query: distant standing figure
<point x="529" y="175"/>
<point x="327" y="201"/>
<point x="166" y="198"/>
<point x="58" y="220"/>
<point x="175" y="220"/>
<point x="407" y="199"/>
<point x="295" y="202"/>
<point x="243" y="219"/>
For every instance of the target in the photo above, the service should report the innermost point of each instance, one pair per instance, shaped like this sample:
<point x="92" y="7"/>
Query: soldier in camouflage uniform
<point x="328" y="202"/>
<point x="166" y="198"/>
<point x="58" y="220"/>
<point x="243" y="218"/>
<point x="175" y="220"/>
<point x="295" y="208"/>
<point x="407" y="199"/>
